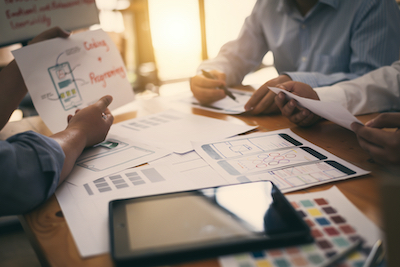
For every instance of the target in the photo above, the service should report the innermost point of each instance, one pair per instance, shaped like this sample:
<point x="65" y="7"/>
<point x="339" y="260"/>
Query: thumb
<point x="104" y="102"/>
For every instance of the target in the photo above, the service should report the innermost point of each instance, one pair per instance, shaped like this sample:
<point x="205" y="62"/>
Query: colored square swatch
<point x="338" y="219"/>
<point x="341" y="242"/>
<point x="331" y="231"/>
<point x="323" y="221"/>
<point x="324" y="244"/>
<point x="329" y="210"/>
<point x="347" y="229"/>
<point x="314" y="212"/>
<point x="307" y="203"/>
<point x="263" y="263"/>
<point x="321" y="201"/>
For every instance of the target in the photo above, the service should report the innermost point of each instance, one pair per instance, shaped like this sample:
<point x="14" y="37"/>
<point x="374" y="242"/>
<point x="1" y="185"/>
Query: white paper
<point x="174" y="131"/>
<point x="226" y="105"/>
<point x="85" y="206"/>
<point x="328" y="110"/>
<point x="363" y="227"/>
<point x="268" y="156"/>
<point x="23" y="20"/>
<point x="63" y="75"/>
<point x="116" y="153"/>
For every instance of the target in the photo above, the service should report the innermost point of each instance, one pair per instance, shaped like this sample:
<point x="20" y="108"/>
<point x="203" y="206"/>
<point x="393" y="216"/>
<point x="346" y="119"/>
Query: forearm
<point x="315" y="79"/>
<point x="376" y="91"/>
<point x="24" y="188"/>
<point x="73" y="142"/>
<point x="12" y="90"/>
<point x="241" y="56"/>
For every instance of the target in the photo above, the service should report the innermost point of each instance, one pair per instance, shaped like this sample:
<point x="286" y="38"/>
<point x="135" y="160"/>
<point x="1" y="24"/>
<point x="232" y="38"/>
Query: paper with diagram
<point x="175" y="130"/>
<point x="85" y="206"/>
<point x="63" y="75"/>
<point x="116" y="153"/>
<point x="286" y="159"/>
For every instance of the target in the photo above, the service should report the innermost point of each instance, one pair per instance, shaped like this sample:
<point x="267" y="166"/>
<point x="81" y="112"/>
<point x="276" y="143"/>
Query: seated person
<point x="377" y="91"/>
<point x="313" y="41"/>
<point x="33" y="165"/>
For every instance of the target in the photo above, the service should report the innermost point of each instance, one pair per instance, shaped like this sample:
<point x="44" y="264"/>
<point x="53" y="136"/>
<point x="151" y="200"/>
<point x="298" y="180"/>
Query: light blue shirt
<point x="30" y="168"/>
<point x="337" y="40"/>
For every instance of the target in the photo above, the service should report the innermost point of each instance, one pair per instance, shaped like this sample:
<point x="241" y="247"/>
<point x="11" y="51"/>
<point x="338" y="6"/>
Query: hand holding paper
<point x="63" y="75"/>
<point x="328" y="110"/>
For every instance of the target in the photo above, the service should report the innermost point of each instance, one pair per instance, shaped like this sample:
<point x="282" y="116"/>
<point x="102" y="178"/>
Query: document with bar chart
<point x="85" y="206"/>
<point x="116" y="153"/>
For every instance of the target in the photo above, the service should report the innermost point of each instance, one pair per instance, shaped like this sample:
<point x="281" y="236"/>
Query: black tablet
<point x="192" y="225"/>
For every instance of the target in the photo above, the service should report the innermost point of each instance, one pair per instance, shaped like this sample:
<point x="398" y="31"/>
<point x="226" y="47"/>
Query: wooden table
<point x="53" y="242"/>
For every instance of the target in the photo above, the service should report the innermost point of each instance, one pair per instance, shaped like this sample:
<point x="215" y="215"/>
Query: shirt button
<point x="304" y="59"/>
<point x="303" y="26"/>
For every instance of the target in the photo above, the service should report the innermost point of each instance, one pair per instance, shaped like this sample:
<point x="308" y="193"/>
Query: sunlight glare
<point x="175" y="31"/>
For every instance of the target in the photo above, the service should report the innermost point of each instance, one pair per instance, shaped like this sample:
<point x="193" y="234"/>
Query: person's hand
<point x="291" y="109"/>
<point x="93" y="121"/>
<point x="262" y="101"/>
<point x="383" y="146"/>
<point x="50" y="34"/>
<point x="206" y="90"/>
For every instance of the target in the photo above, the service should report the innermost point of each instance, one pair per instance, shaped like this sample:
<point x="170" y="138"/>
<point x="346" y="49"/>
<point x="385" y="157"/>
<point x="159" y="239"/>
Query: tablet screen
<point x="220" y="217"/>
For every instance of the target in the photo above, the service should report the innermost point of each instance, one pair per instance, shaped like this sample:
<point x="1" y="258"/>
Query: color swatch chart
<point x="335" y="224"/>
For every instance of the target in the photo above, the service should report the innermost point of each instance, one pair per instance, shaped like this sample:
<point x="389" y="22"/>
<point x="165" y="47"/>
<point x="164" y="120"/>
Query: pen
<point x="376" y="255"/>
<point x="227" y="92"/>
<point x="336" y="258"/>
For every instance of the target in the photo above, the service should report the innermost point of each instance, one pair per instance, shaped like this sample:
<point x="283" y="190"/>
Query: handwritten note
<point x="63" y="75"/>
<point x="22" y="20"/>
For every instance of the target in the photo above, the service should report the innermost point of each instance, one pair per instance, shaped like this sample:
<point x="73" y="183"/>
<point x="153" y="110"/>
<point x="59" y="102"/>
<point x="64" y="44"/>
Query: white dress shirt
<point x="337" y="40"/>
<point x="376" y="91"/>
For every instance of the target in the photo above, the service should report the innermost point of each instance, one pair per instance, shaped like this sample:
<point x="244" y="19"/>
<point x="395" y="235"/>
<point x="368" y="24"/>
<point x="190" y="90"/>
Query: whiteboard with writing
<point x="21" y="20"/>
<point x="63" y="75"/>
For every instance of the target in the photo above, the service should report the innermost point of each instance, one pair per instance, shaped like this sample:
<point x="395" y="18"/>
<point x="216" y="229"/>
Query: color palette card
<point x="335" y="225"/>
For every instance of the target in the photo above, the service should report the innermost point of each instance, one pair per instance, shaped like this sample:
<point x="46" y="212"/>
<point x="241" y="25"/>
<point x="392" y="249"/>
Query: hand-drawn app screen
<point x="249" y="145"/>
<point x="65" y="85"/>
<point x="266" y="161"/>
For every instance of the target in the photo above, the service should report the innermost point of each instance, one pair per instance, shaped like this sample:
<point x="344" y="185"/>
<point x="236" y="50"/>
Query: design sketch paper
<point x="116" y="153"/>
<point x="335" y="224"/>
<point x="225" y="105"/>
<point x="328" y="110"/>
<point x="175" y="131"/>
<point x="63" y="75"/>
<point x="85" y="206"/>
<point x="286" y="159"/>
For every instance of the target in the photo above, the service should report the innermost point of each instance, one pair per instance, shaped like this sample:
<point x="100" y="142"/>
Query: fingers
<point x="385" y="120"/>
<point x="261" y="99"/>
<point x="204" y="89"/>
<point x="103" y="104"/>
<point x="298" y="115"/>
<point x="370" y="136"/>
<point x="50" y="34"/>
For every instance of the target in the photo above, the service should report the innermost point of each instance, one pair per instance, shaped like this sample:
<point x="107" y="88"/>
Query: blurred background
<point x="162" y="41"/>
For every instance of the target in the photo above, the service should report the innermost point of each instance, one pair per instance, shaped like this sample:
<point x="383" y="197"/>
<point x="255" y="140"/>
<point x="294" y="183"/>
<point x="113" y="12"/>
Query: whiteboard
<point x="21" y="20"/>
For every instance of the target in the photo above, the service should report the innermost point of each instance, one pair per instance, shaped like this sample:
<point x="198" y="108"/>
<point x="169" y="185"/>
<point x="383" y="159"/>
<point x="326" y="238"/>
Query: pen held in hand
<point x="227" y="92"/>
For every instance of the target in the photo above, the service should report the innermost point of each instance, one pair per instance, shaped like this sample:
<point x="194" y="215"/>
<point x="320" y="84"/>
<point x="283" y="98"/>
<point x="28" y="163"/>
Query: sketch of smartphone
<point x="271" y="160"/>
<point x="65" y="85"/>
<point x="297" y="177"/>
<point x="249" y="145"/>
